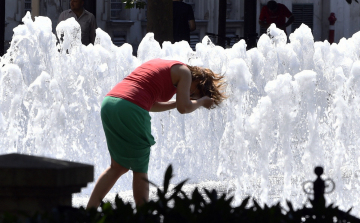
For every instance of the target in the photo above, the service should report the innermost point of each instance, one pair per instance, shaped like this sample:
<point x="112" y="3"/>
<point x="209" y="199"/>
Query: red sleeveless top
<point x="147" y="84"/>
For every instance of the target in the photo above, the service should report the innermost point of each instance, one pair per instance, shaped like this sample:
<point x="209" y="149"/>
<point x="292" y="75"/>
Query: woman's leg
<point x="140" y="188"/>
<point x="105" y="182"/>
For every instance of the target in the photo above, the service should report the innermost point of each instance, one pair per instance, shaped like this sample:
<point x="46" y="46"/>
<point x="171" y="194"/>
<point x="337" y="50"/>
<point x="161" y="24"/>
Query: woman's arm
<point x="182" y="76"/>
<point x="163" y="106"/>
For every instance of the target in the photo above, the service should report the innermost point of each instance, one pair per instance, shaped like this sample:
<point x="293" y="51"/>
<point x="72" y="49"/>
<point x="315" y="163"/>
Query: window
<point x="233" y="38"/>
<point x="228" y="9"/>
<point x="194" y="39"/>
<point x="303" y="13"/>
<point x="119" y="38"/>
<point x="27" y="6"/>
<point x="116" y="7"/>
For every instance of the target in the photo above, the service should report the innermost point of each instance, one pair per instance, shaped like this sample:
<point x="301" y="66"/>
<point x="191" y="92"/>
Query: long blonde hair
<point x="210" y="84"/>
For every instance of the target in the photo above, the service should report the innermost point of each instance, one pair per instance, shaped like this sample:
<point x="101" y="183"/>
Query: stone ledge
<point x="33" y="183"/>
<point x="20" y="169"/>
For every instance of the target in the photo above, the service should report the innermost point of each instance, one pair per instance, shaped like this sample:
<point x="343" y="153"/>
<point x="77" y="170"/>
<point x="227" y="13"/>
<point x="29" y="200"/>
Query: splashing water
<point x="291" y="106"/>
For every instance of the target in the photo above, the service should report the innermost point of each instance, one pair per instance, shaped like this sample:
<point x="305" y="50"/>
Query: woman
<point x="126" y="120"/>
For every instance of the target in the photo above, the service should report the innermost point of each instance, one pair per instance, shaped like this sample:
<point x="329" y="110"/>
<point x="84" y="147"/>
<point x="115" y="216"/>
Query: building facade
<point x="129" y="25"/>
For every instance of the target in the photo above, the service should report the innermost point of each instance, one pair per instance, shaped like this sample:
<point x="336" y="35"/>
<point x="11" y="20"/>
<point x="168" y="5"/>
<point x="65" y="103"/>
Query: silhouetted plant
<point x="175" y="206"/>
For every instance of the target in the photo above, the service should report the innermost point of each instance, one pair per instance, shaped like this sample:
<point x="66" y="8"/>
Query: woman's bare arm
<point x="163" y="106"/>
<point x="183" y="78"/>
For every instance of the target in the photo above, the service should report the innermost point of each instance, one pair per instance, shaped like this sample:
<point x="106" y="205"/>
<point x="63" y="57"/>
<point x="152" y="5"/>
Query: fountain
<point x="291" y="107"/>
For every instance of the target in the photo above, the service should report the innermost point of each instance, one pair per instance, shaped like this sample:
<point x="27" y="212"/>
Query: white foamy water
<point x="291" y="106"/>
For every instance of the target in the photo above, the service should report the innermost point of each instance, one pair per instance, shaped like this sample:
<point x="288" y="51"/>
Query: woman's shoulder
<point x="178" y="71"/>
<point x="179" y="68"/>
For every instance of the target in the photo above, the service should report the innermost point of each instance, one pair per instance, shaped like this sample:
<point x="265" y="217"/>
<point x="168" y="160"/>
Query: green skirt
<point x="128" y="133"/>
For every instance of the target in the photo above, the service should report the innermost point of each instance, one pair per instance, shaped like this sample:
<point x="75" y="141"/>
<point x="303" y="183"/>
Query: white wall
<point x="354" y="18"/>
<point x="348" y="18"/>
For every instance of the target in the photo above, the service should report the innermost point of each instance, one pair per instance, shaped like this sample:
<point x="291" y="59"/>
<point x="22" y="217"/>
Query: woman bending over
<point x="126" y="120"/>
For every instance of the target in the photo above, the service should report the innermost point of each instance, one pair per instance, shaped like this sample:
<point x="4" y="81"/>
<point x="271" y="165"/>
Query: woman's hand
<point x="206" y="102"/>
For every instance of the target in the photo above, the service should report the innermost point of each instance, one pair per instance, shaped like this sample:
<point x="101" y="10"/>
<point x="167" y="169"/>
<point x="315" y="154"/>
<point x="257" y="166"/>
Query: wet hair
<point x="272" y="5"/>
<point x="210" y="84"/>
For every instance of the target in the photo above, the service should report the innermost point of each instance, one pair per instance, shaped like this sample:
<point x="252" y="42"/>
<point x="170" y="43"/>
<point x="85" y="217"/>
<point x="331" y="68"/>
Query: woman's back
<point x="147" y="84"/>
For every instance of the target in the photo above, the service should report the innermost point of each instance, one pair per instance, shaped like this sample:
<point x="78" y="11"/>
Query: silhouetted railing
<point x="319" y="212"/>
